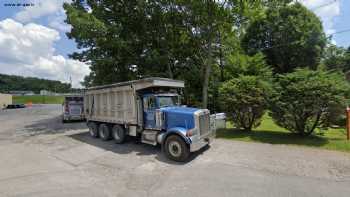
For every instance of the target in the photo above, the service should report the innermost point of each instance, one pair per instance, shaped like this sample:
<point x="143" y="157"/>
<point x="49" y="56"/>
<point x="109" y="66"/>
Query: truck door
<point x="149" y="109"/>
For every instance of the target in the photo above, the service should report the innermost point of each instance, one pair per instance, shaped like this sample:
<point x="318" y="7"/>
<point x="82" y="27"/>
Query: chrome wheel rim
<point x="116" y="134"/>
<point x="91" y="132"/>
<point x="102" y="133"/>
<point x="175" y="148"/>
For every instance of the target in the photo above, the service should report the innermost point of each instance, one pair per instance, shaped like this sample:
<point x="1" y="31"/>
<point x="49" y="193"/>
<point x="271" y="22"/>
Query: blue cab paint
<point x="176" y="119"/>
<point x="179" y="117"/>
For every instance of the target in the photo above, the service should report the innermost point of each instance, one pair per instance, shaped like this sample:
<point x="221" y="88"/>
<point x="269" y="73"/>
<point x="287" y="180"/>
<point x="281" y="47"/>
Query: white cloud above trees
<point x="28" y="50"/>
<point x="327" y="10"/>
<point x="50" y="9"/>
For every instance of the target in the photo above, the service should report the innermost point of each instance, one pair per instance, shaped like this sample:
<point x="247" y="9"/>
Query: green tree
<point x="13" y="83"/>
<point x="124" y="40"/>
<point x="337" y="58"/>
<point x="290" y="36"/>
<point x="157" y="38"/>
<point x="303" y="100"/>
<point x="244" y="100"/>
<point x="241" y="64"/>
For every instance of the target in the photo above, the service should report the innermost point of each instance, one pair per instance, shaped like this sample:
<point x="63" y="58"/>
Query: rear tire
<point x="175" y="148"/>
<point x="118" y="134"/>
<point x="104" y="132"/>
<point x="93" y="129"/>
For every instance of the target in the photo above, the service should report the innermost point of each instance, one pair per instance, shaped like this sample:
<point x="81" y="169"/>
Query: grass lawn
<point x="269" y="132"/>
<point x="38" y="99"/>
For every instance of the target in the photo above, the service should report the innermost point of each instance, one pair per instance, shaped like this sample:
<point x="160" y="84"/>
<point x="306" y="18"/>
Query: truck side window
<point x="149" y="103"/>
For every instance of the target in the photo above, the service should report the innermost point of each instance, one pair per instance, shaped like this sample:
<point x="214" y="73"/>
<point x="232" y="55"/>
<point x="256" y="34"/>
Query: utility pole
<point x="348" y="123"/>
<point x="70" y="82"/>
<point x="221" y="56"/>
<point x="208" y="62"/>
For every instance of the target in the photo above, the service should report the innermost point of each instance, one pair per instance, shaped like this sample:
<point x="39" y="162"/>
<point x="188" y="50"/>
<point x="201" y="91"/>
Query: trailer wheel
<point x="176" y="149"/>
<point x="93" y="129"/>
<point x="104" y="132"/>
<point x="118" y="133"/>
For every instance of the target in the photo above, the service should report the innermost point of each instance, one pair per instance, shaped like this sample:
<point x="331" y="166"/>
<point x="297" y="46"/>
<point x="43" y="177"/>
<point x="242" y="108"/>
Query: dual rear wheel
<point x="107" y="132"/>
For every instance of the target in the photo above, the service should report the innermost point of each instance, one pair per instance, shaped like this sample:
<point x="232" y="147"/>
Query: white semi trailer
<point x="150" y="110"/>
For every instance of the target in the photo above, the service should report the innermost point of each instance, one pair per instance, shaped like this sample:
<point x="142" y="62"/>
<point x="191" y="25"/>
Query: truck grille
<point x="74" y="110"/>
<point x="204" y="124"/>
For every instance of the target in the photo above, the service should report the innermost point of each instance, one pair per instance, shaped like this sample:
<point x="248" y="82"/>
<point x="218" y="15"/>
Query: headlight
<point x="191" y="132"/>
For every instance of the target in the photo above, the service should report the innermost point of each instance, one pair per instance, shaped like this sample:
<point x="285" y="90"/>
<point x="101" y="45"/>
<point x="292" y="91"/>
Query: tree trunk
<point x="206" y="83"/>
<point x="209" y="61"/>
<point x="170" y="72"/>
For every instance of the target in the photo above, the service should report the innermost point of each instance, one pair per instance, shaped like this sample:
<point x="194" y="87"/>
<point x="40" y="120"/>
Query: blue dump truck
<point x="150" y="110"/>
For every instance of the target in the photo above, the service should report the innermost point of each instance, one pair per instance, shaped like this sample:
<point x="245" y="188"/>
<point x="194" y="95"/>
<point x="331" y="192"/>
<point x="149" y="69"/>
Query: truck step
<point x="149" y="137"/>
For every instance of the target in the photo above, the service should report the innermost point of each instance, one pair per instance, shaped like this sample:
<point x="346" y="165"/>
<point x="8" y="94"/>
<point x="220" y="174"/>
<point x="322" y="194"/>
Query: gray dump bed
<point x="117" y="103"/>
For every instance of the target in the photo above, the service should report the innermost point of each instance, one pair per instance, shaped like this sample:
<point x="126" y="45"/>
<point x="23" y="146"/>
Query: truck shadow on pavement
<point x="52" y="126"/>
<point x="130" y="146"/>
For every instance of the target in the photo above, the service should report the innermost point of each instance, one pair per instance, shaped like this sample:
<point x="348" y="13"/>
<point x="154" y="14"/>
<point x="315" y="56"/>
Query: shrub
<point x="242" y="64"/>
<point x="244" y="100"/>
<point x="305" y="99"/>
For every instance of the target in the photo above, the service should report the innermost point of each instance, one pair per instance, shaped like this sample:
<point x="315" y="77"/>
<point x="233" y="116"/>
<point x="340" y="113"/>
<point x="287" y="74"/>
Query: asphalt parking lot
<point x="40" y="156"/>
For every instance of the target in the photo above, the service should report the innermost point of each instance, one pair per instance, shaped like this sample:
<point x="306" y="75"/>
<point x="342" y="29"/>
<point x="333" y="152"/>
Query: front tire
<point x="104" y="132"/>
<point x="93" y="129"/>
<point x="176" y="149"/>
<point x="118" y="133"/>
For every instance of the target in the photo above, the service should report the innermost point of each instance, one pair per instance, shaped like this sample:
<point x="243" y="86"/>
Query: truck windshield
<point x="76" y="99"/>
<point x="166" y="101"/>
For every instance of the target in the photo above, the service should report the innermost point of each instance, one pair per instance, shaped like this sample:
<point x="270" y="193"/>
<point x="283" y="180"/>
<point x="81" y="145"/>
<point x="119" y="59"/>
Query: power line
<point x="324" y="5"/>
<point x="300" y="42"/>
<point x="339" y="32"/>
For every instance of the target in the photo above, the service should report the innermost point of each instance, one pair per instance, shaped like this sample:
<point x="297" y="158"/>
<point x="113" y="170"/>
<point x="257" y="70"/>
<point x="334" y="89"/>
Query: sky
<point x="33" y="39"/>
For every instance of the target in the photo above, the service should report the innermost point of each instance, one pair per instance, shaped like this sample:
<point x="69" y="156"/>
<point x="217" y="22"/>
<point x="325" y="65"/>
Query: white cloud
<point x="57" y="22"/>
<point x="327" y="10"/>
<point x="28" y="50"/>
<point x="52" y="9"/>
<point x="40" y="8"/>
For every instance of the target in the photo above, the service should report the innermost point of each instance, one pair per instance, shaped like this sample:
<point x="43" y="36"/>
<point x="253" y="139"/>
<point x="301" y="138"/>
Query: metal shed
<point x="5" y="99"/>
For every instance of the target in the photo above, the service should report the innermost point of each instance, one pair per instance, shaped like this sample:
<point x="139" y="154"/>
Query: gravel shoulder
<point x="40" y="156"/>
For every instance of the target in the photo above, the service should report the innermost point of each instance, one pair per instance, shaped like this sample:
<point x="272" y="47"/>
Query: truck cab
<point x="152" y="103"/>
<point x="179" y="129"/>
<point x="73" y="108"/>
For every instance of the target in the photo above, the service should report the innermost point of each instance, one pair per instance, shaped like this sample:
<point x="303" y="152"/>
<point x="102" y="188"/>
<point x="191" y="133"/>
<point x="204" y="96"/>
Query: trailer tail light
<point x="66" y="108"/>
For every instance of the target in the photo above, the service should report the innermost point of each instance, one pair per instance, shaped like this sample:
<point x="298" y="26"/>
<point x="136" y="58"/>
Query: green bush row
<point x="300" y="101"/>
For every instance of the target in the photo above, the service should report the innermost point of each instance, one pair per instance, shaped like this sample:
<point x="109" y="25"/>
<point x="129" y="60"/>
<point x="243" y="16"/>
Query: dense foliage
<point x="290" y="37"/>
<point x="16" y="83"/>
<point x="124" y="40"/>
<point x="171" y="39"/>
<point x="337" y="58"/>
<point x="244" y="99"/>
<point x="305" y="100"/>
<point x="241" y="64"/>
<point x="224" y="50"/>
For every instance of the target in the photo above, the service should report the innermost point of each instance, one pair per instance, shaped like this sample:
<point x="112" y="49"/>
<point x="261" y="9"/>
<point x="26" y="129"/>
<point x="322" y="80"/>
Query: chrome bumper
<point x="73" y="117"/>
<point x="203" y="141"/>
